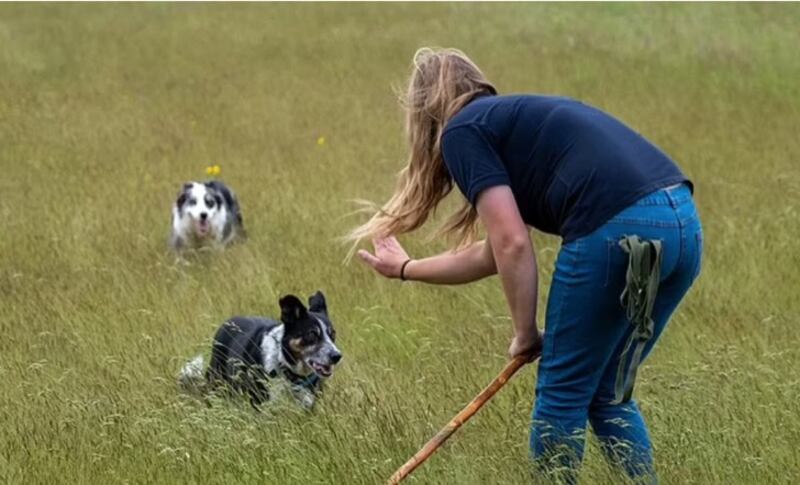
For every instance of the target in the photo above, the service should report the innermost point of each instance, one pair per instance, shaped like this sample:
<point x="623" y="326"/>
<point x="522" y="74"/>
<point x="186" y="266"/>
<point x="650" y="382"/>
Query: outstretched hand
<point x="388" y="258"/>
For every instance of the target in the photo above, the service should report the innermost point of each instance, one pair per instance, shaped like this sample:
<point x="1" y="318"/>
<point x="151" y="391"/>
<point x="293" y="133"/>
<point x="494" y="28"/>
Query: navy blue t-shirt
<point x="570" y="166"/>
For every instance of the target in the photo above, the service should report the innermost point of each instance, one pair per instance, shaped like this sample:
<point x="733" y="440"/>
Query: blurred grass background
<point x="105" y="109"/>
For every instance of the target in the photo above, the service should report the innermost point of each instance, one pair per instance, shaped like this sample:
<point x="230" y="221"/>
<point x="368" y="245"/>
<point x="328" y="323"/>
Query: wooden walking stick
<point x="431" y="446"/>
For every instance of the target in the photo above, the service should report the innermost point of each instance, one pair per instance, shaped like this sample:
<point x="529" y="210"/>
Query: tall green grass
<point x="106" y="109"/>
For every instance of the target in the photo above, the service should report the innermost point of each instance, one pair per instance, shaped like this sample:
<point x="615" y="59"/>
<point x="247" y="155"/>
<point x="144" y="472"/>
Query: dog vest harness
<point x="641" y="285"/>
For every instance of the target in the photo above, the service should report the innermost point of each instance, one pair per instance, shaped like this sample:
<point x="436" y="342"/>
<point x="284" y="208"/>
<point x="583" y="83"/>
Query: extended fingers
<point x="368" y="257"/>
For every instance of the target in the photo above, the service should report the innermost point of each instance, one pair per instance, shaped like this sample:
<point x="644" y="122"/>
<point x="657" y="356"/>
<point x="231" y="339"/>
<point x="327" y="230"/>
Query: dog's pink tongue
<point x="202" y="228"/>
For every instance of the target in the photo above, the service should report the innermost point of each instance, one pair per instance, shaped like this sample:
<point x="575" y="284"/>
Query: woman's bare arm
<point x="515" y="262"/>
<point x="449" y="268"/>
<point x="452" y="268"/>
<point x="508" y="251"/>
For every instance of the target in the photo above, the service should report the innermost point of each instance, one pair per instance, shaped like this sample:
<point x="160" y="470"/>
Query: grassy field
<point x="106" y="109"/>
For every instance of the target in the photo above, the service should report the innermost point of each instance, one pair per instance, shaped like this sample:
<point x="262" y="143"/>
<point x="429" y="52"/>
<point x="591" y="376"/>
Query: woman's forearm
<point x="453" y="268"/>
<point x="516" y="265"/>
<point x="514" y="259"/>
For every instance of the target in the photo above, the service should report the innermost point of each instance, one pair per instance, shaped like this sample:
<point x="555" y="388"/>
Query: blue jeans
<point x="586" y="330"/>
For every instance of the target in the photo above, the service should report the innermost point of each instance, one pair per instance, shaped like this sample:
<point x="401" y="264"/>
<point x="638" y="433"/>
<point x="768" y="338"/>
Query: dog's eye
<point x="312" y="335"/>
<point x="192" y="201"/>
<point x="209" y="202"/>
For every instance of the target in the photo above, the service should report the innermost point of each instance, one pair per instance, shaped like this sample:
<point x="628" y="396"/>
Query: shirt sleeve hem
<point x="485" y="182"/>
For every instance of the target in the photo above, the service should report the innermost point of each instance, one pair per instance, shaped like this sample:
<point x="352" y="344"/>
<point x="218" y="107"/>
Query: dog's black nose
<point x="335" y="358"/>
<point x="203" y="216"/>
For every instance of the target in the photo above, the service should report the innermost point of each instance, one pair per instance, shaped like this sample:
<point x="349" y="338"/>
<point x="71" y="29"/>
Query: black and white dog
<point x="248" y="352"/>
<point x="205" y="214"/>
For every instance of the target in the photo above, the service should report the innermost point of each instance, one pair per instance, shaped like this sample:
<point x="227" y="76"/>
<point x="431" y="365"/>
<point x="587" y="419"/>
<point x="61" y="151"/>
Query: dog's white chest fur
<point x="271" y="349"/>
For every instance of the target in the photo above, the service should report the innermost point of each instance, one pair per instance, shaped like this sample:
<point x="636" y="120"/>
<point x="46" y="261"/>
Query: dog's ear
<point x="316" y="303"/>
<point x="214" y="191"/>
<point x="292" y="309"/>
<point x="223" y="190"/>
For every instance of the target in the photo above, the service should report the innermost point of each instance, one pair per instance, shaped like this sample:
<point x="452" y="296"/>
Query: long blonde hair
<point x="442" y="81"/>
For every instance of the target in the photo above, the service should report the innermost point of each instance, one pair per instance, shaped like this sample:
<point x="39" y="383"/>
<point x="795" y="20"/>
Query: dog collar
<point x="309" y="381"/>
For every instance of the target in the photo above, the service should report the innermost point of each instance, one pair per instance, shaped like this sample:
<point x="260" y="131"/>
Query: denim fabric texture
<point x="586" y="330"/>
